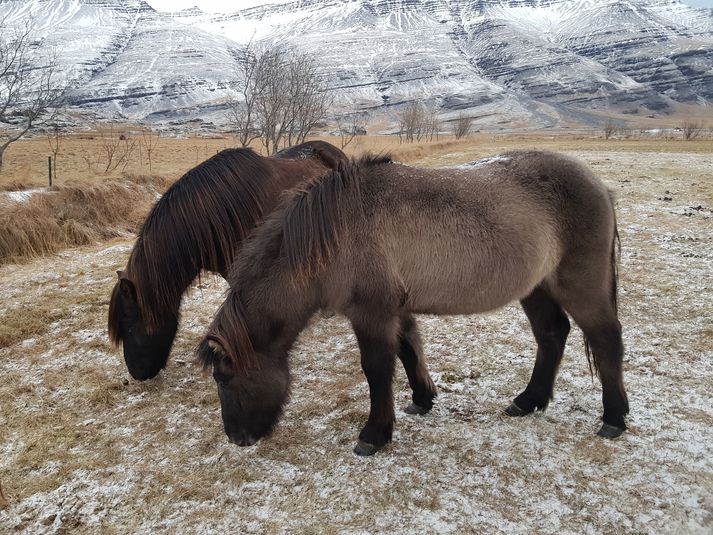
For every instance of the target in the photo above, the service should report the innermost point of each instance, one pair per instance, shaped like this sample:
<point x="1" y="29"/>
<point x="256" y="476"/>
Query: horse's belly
<point x="462" y="300"/>
<point x="438" y="289"/>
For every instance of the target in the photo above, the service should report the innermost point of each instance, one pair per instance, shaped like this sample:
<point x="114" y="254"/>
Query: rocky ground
<point x="83" y="448"/>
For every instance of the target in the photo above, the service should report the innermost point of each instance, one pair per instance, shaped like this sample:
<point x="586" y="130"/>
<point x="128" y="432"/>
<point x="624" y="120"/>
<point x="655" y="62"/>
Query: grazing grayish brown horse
<point x="377" y="242"/>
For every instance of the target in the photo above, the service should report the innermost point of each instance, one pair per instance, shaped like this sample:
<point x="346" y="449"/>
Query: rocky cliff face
<point x="510" y="62"/>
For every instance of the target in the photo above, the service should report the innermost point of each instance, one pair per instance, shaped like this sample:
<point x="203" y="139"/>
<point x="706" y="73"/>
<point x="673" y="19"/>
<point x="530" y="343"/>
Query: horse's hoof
<point x="416" y="409"/>
<point x="514" y="410"/>
<point x="364" y="449"/>
<point x="610" y="431"/>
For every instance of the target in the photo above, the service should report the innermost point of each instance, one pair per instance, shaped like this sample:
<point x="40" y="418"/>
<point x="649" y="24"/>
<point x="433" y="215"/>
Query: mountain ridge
<point x="516" y="62"/>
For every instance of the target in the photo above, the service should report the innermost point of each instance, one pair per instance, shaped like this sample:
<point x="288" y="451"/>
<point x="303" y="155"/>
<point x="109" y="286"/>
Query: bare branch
<point x="462" y="125"/>
<point x="30" y="89"/>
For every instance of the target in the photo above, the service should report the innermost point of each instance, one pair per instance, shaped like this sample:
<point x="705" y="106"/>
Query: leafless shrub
<point x="609" y="128"/>
<point x="691" y="129"/>
<point x="416" y="122"/>
<point x="116" y="147"/>
<point x="350" y="127"/>
<point x="149" y="142"/>
<point x="55" y="137"/>
<point x="462" y="125"/>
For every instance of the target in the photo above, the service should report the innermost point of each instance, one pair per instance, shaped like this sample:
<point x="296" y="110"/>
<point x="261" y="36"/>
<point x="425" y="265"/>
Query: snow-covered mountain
<point x="513" y="62"/>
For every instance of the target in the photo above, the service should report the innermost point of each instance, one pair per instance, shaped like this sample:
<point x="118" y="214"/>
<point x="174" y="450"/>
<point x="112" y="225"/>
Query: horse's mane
<point x="307" y="228"/>
<point x="312" y="220"/>
<point x="194" y="210"/>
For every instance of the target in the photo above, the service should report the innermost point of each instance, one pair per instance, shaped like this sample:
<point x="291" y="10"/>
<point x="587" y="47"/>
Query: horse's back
<point x="471" y="240"/>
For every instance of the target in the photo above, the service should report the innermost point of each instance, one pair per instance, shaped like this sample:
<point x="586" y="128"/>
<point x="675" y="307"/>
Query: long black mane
<point x="194" y="211"/>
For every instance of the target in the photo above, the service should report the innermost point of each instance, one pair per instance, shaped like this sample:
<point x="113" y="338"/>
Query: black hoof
<point x="364" y="449"/>
<point x="514" y="410"/>
<point x="416" y="409"/>
<point x="610" y="431"/>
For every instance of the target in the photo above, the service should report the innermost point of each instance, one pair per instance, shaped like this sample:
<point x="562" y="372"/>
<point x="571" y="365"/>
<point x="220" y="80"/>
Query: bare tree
<point x="116" y="146"/>
<point x="431" y="123"/>
<point x="351" y="126"/>
<point x="309" y="98"/>
<point x="30" y="88"/>
<point x="282" y="96"/>
<point x="462" y="125"/>
<point x="149" y="141"/>
<point x="417" y="121"/>
<point x="691" y="129"/>
<point x="609" y="128"/>
<point x="241" y="111"/>
<point x="411" y="119"/>
<point x="55" y="137"/>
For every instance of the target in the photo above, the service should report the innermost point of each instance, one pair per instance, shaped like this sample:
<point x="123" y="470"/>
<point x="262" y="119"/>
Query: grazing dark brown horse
<point x="378" y="241"/>
<point x="198" y="224"/>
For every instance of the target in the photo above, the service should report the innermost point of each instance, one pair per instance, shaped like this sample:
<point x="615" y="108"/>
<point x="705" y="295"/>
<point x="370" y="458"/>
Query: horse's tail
<point x="614" y="260"/>
<point x="228" y="335"/>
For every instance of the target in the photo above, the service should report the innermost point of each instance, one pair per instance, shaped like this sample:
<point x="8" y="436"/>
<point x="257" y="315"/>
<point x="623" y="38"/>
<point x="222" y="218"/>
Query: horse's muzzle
<point x="242" y="439"/>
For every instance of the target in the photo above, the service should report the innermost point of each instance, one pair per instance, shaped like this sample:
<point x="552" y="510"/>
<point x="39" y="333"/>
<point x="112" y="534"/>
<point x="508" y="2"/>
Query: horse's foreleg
<point x="377" y="336"/>
<point x="410" y="353"/>
<point x="550" y="327"/>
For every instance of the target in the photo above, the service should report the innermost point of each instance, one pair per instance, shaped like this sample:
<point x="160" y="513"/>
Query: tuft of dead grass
<point x="25" y="322"/>
<point x="3" y="500"/>
<point x="69" y="216"/>
<point x="14" y="185"/>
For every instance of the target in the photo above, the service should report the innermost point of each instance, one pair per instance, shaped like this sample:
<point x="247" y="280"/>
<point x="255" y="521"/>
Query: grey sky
<point x="699" y="3"/>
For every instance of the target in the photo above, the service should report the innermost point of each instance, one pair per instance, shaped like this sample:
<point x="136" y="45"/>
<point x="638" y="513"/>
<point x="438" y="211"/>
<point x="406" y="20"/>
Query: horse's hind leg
<point x="410" y="353"/>
<point x="594" y="310"/>
<point x="377" y="336"/>
<point x="602" y="332"/>
<point x="550" y="327"/>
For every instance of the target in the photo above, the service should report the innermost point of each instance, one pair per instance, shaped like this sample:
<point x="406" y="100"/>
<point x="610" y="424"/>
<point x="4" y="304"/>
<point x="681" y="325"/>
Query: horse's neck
<point x="281" y="315"/>
<point x="167" y="278"/>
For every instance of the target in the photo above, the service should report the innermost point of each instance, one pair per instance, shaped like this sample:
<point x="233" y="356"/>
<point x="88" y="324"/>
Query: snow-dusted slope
<point x="526" y="60"/>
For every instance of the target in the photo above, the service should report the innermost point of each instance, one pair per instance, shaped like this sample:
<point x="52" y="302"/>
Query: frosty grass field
<point x="85" y="449"/>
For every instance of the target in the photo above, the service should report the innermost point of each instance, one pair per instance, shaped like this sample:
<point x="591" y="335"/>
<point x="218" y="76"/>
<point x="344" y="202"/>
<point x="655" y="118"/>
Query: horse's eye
<point x="220" y="378"/>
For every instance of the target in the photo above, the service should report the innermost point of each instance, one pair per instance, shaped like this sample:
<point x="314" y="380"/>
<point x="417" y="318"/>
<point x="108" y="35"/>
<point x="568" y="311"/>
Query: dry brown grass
<point x="26" y="161"/>
<point x="68" y="216"/>
<point x="83" y="448"/>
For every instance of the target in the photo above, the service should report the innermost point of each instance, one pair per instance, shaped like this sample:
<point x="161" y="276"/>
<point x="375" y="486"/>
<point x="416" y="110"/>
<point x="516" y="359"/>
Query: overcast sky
<point x="235" y="5"/>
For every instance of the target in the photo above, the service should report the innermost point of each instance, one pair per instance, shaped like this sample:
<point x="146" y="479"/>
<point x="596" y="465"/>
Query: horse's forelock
<point x="229" y="330"/>
<point x="114" y="313"/>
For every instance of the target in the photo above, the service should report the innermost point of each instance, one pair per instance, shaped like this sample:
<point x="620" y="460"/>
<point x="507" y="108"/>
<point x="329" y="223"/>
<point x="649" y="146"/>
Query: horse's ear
<point x="127" y="289"/>
<point x="217" y="347"/>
